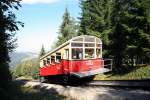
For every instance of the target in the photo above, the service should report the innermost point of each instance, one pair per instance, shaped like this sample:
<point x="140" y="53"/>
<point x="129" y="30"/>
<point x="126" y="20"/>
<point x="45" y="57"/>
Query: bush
<point x="27" y="68"/>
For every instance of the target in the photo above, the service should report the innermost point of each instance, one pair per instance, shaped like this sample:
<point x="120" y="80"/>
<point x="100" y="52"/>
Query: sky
<point x="42" y="19"/>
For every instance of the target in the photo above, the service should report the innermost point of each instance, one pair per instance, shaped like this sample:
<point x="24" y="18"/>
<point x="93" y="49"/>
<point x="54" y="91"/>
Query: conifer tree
<point x="131" y="31"/>
<point x="139" y="35"/>
<point x="8" y="27"/>
<point x="95" y="19"/>
<point x="118" y="36"/>
<point x="68" y="28"/>
<point x="42" y="52"/>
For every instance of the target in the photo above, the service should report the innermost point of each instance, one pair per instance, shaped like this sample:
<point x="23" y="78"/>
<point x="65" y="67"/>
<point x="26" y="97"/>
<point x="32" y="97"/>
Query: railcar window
<point x="89" y="53"/>
<point x="98" y="53"/>
<point x="77" y="53"/>
<point x="89" y="45"/>
<point x="58" y="57"/>
<point x="52" y="59"/>
<point x="48" y="60"/>
<point x="78" y="39"/>
<point x="76" y="44"/>
<point x="98" y="45"/>
<point x="44" y="62"/>
<point x="98" y="41"/>
<point x="89" y="39"/>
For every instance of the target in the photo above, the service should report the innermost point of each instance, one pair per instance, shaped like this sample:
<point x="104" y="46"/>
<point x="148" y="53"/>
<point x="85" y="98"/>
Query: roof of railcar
<point x="66" y="43"/>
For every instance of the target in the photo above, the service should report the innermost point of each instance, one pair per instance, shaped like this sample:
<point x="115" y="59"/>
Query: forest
<point x="123" y="26"/>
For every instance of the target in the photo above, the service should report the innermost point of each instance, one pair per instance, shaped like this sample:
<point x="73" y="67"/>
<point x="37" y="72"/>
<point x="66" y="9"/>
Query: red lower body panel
<point x="51" y="70"/>
<point x="67" y="67"/>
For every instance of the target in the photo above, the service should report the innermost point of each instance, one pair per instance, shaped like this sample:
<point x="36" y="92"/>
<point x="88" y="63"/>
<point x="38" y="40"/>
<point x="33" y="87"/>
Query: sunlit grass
<point x="140" y="72"/>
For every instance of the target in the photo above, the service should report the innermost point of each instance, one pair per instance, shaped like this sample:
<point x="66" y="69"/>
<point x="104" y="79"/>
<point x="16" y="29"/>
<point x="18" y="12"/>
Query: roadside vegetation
<point x="141" y="72"/>
<point x="27" y="68"/>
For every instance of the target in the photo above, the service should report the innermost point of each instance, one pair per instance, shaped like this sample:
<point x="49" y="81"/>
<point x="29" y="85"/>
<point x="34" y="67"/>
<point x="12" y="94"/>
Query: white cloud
<point x="42" y="1"/>
<point x="38" y="1"/>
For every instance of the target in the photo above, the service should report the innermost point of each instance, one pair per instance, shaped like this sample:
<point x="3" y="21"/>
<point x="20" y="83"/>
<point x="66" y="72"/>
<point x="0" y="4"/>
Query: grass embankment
<point x="136" y="73"/>
<point x="20" y="92"/>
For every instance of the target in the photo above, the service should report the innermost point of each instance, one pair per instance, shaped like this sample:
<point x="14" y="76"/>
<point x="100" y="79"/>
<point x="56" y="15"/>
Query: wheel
<point x="74" y="80"/>
<point x="42" y="79"/>
<point x="88" y="79"/>
<point x="65" y="79"/>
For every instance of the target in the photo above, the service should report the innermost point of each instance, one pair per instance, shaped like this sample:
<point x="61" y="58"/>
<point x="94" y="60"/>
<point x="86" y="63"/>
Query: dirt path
<point x="92" y="93"/>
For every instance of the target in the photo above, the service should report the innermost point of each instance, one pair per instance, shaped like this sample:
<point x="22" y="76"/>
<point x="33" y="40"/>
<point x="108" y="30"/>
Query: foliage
<point x="68" y="28"/>
<point x="8" y="27"/>
<point x="95" y="20"/>
<point x="27" y="68"/>
<point x="146" y="4"/>
<point x="124" y="27"/>
<point x="131" y="34"/>
<point x="119" y="33"/>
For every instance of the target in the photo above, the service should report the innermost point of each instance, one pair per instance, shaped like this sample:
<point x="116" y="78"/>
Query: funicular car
<point x="81" y="57"/>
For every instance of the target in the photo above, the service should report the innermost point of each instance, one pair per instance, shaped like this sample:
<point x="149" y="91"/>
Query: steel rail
<point x="121" y="83"/>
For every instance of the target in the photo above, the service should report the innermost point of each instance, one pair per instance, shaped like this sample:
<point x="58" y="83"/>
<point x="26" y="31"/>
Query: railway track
<point x="92" y="91"/>
<point x="121" y="83"/>
<point x="108" y="83"/>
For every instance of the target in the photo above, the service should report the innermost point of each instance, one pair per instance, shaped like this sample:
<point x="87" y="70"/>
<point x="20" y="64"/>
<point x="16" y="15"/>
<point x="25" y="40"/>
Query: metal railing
<point x="108" y="63"/>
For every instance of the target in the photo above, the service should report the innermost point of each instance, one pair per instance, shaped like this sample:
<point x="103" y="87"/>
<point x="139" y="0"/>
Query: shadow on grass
<point x="19" y="92"/>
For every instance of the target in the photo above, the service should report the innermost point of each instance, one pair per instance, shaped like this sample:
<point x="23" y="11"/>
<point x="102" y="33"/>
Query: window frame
<point x="72" y="53"/>
<point x="92" y="54"/>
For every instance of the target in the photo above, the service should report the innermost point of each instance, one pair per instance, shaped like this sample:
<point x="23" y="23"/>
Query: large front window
<point x="89" y="53"/>
<point x="77" y="53"/>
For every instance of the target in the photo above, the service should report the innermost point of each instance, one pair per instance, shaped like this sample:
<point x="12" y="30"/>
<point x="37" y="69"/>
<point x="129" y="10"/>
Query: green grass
<point x="137" y="73"/>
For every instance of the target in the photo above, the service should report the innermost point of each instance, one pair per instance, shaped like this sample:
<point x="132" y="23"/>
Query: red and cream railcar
<point x="81" y="56"/>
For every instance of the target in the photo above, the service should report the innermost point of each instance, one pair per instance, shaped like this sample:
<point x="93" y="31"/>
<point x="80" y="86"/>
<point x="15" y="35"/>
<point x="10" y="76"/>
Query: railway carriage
<point x="81" y="57"/>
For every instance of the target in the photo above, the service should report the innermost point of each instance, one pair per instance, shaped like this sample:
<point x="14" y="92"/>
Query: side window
<point x="77" y="53"/>
<point x="52" y="59"/>
<point x="48" y="60"/>
<point x="44" y="62"/>
<point x="58" y="57"/>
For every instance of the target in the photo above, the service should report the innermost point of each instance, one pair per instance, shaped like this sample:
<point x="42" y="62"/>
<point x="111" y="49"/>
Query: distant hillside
<point x="17" y="57"/>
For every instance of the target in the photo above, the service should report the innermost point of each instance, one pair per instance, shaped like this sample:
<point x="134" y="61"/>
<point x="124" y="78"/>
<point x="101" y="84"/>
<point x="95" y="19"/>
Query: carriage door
<point x="66" y="61"/>
<point x="67" y="54"/>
